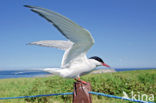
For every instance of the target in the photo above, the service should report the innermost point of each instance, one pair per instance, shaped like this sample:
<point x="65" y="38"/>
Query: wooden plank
<point x="81" y="94"/>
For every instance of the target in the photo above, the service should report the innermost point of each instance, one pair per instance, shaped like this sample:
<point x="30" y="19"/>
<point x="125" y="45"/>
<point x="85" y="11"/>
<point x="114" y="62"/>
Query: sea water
<point x="38" y="73"/>
<point x="21" y="73"/>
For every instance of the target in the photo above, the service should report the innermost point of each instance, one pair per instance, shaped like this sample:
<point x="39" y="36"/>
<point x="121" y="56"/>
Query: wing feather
<point x="60" y="44"/>
<point x="81" y="37"/>
<point x="69" y="29"/>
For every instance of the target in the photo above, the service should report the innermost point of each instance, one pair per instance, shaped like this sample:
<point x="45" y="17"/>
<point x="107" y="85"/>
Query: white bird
<point x="74" y="61"/>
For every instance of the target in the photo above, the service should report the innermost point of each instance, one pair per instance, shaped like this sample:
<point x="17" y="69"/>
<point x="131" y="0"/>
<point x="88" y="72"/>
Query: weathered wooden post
<point x="81" y="94"/>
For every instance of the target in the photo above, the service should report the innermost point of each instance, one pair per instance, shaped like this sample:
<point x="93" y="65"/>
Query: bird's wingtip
<point x="28" y="6"/>
<point x="28" y="44"/>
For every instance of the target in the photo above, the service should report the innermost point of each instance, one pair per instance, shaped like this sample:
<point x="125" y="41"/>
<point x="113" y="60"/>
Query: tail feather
<point x="54" y="71"/>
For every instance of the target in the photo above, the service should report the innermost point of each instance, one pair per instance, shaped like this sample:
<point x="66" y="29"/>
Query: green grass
<point x="142" y="81"/>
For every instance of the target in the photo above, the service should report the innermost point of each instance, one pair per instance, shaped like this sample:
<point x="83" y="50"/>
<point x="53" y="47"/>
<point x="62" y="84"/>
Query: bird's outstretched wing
<point x="60" y="44"/>
<point x="81" y="38"/>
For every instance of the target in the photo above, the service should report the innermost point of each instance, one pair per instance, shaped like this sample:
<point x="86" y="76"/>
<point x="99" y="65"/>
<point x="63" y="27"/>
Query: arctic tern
<point x="74" y="62"/>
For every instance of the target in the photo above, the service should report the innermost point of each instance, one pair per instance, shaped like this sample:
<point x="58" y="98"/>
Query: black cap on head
<point x="97" y="58"/>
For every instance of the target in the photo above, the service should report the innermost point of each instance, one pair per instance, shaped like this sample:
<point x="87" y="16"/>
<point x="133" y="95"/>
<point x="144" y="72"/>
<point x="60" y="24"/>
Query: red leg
<point x="79" y="80"/>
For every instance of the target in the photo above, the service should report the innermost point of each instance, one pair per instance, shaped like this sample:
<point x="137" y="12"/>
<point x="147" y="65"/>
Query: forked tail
<point x="54" y="71"/>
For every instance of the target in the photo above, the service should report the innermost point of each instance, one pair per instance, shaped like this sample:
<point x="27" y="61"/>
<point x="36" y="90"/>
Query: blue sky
<point x="124" y="32"/>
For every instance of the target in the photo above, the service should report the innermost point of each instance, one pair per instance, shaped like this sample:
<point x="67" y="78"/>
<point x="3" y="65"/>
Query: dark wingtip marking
<point x="28" y="6"/>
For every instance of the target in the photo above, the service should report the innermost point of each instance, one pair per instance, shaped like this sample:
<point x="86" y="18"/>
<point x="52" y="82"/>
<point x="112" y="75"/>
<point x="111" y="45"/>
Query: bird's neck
<point x="92" y="63"/>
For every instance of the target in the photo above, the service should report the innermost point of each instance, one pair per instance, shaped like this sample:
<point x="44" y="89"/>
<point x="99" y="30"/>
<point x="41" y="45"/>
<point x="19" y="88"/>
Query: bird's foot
<point x="79" y="80"/>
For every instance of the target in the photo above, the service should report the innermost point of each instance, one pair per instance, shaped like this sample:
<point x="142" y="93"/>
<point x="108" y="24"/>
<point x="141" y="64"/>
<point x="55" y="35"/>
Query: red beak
<point x="104" y="64"/>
